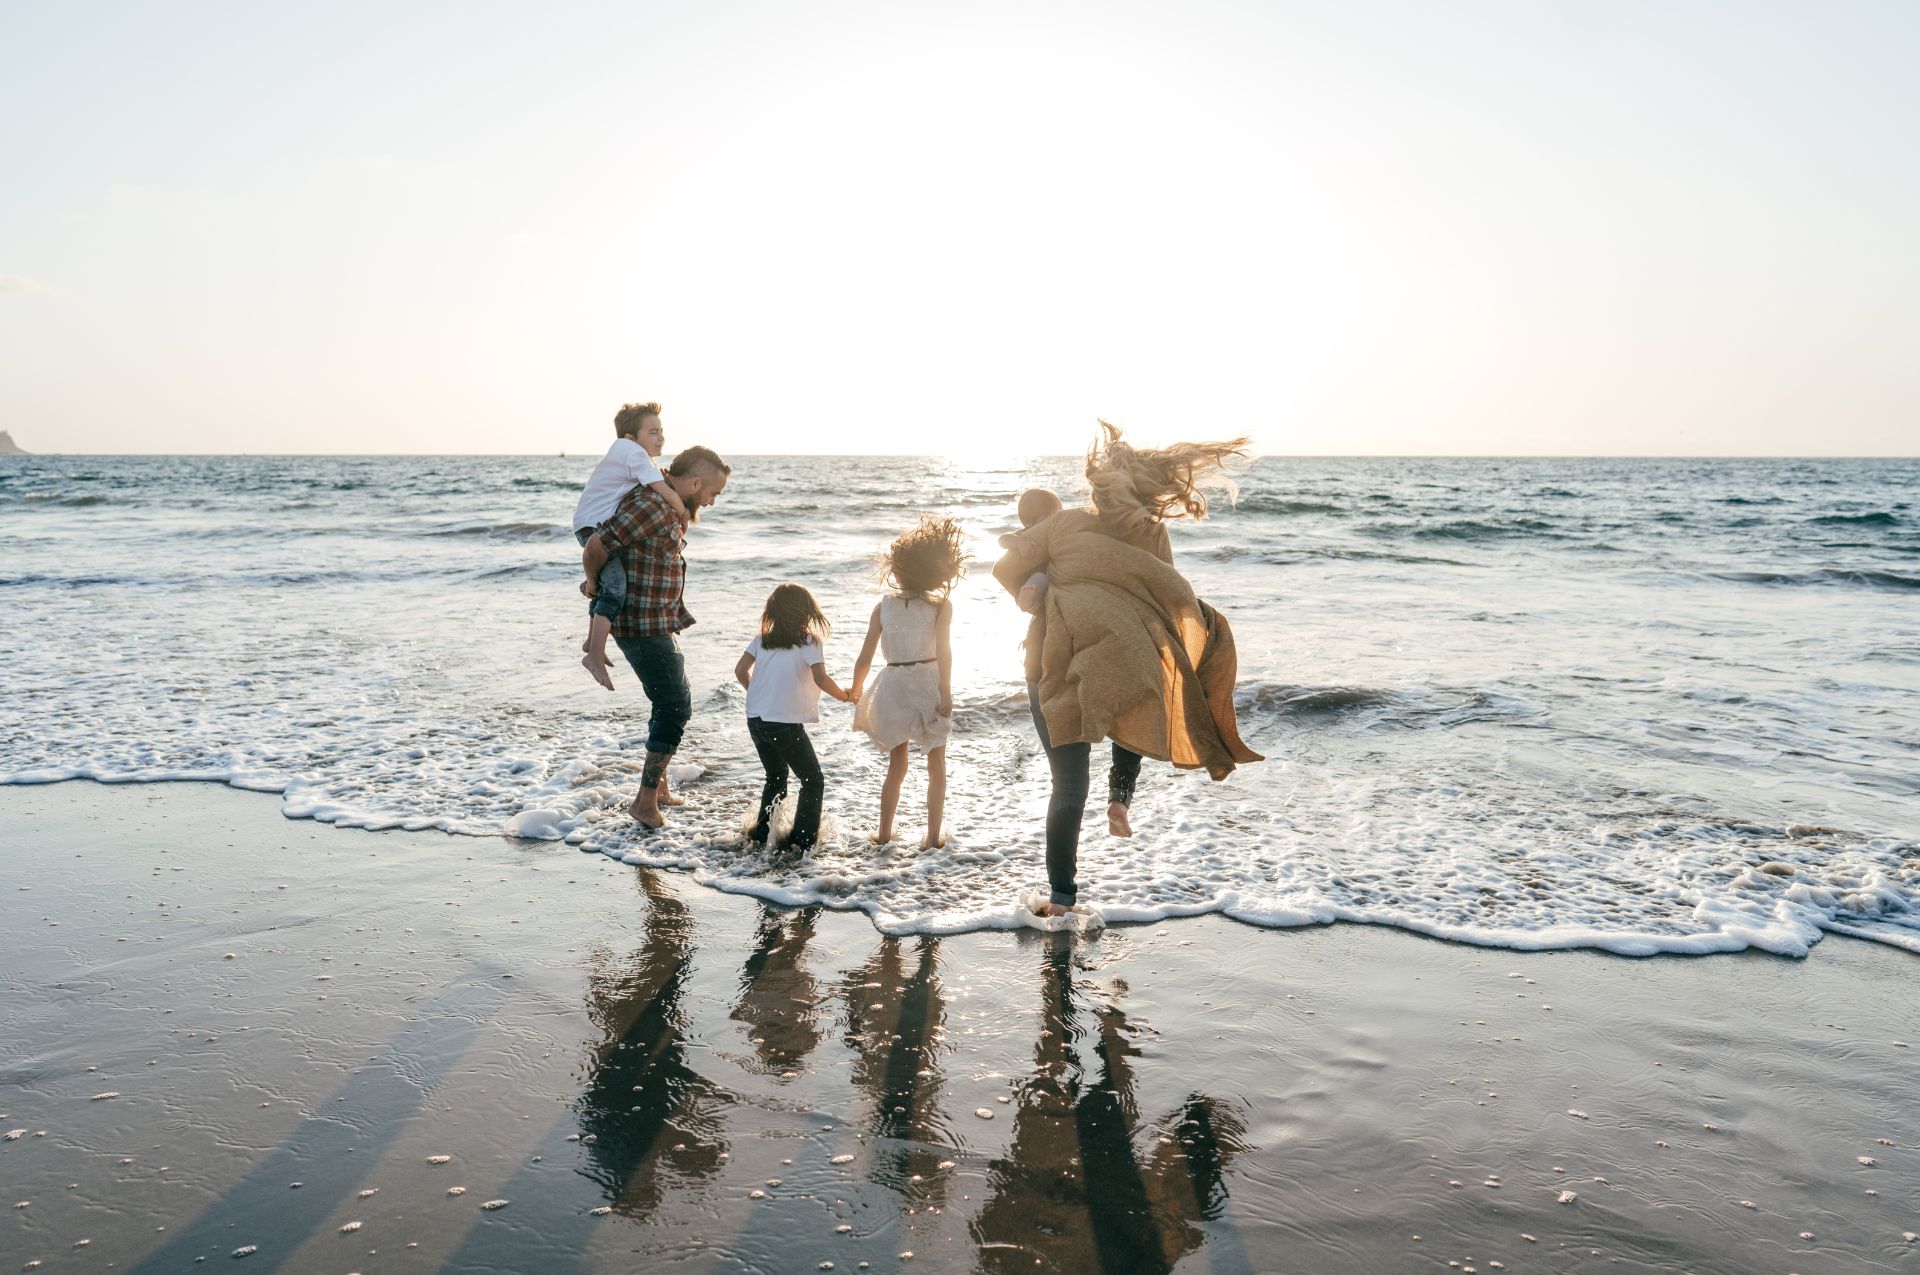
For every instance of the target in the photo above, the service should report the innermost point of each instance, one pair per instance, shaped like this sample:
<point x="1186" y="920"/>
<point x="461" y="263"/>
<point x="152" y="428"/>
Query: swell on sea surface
<point x="1857" y="576"/>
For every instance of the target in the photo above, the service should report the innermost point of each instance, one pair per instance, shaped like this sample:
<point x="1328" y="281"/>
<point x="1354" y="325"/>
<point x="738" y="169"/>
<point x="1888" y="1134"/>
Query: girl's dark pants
<point x="783" y="747"/>
<point x="1069" y="764"/>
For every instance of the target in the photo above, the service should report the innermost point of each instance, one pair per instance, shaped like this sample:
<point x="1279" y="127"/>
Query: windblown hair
<point x="626" y="421"/>
<point x="1133" y="486"/>
<point x="699" y="458"/>
<point x="792" y="618"/>
<point x="925" y="561"/>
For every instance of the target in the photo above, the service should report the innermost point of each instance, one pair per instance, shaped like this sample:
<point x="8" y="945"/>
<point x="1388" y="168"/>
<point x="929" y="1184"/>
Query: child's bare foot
<point x="646" y="810"/>
<point x="1117" y="821"/>
<point x="598" y="669"/>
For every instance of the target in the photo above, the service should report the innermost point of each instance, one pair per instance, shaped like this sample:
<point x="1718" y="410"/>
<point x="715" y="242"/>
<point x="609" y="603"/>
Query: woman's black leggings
<point x="1069" y="764"/>
<point x="784" y="747"/>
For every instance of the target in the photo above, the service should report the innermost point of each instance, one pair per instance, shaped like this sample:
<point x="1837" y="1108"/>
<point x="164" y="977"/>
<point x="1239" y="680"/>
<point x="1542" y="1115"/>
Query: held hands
<point x="1028" y="599"/>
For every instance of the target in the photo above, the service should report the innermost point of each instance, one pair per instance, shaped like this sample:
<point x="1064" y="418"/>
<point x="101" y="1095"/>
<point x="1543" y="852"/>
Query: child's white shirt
<point x="625" y="466"/>
<point x="782" y="688"/>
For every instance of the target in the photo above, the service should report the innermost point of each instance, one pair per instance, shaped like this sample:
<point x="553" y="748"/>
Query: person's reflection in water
<point x="779" y="1002"/>
<point x="896" y="1015"/>
<point x="644" y="1110"/>
<point x="1075" y="1193"/>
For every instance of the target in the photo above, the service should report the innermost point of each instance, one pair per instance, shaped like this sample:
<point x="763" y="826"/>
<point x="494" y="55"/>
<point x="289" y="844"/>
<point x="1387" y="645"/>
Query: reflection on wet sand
<point x="896" y="1016"/>
<point x="1075" y="1192"/>
<point x="779" y="1001"/>
<point x="643" y="1106"/>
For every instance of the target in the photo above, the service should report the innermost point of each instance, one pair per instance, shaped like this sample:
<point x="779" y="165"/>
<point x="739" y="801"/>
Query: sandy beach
<point x="229" y="1033"/>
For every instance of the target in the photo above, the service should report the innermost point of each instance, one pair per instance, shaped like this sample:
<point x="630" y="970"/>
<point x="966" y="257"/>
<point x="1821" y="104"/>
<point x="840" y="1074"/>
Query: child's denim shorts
<point x="613" y="582"/>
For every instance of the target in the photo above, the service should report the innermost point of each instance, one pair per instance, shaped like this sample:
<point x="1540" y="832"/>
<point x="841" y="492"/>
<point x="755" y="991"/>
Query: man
<point x="648" y="536"/>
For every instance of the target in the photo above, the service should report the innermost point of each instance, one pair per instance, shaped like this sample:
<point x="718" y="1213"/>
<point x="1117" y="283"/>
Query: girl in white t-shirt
<point x="783" y="672"/>
<point x="639" y="438"/>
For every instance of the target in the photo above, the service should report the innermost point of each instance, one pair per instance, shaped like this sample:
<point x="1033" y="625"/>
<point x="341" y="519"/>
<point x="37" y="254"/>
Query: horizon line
<point x="1027" y="456"/>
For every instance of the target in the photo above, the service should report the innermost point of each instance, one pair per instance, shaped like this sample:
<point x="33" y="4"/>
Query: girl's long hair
<point x="1133" y="486"/>
<point x="792" y="618"/>
<point x="926" y="560"/>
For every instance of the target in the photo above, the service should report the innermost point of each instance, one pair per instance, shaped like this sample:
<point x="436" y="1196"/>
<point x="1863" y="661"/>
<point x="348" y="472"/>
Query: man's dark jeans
<point x="1069" y="764"/>
<point x="783" y="747"/>
<point x="662" y="671"/>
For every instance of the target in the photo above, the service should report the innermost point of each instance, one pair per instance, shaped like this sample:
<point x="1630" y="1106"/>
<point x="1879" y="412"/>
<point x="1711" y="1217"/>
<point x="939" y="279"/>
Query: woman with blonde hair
<point x="1119" y="647"/>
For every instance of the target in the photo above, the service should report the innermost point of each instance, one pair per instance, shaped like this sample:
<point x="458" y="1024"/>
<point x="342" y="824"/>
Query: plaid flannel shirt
<point x="647" y="535"/>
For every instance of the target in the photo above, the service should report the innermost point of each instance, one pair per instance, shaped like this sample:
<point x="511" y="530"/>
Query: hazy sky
<point x="962" y="228"/>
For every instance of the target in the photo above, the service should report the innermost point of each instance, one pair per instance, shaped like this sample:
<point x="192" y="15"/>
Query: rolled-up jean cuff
<point x="1060" y="900"/>
<point x="607" y="604"/>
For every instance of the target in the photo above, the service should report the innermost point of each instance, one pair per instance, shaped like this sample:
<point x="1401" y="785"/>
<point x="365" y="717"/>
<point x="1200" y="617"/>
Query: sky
<point x="965" y="229"/>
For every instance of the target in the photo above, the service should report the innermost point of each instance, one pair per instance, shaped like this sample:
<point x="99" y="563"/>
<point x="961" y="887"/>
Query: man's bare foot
<point x="1050" y="910"/>
<point x="1117" y="821"/>
<point x="666" y="798"/>
<point x="646" y="810"/>
<point x="598" y="670"/>
<point x="932" y="842"/>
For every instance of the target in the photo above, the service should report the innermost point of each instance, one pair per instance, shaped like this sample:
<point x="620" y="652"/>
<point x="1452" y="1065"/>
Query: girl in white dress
<point x="912" y="699"/>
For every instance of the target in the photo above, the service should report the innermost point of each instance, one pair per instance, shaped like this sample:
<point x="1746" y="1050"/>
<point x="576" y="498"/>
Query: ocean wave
<point x="506" y="530"/>
<point x="68" y="502"/>
<point x="1412" y="709"/>
<point x="1289" y="557"/>
<point x="1880" y="519"/>
<point x="1469" y="529"/>
<point x="1263" y="503"/>
<point x="1866" y="577"/>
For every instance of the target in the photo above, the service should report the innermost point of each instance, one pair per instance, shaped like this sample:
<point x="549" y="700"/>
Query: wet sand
<point x="225" y="1032"/>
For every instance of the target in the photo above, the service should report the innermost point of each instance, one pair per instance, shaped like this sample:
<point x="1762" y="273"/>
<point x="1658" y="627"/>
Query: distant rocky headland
<point x="10" y="448"/>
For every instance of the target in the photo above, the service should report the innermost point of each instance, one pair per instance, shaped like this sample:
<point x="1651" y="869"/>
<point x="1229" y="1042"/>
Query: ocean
<point x="1638" y="705"/>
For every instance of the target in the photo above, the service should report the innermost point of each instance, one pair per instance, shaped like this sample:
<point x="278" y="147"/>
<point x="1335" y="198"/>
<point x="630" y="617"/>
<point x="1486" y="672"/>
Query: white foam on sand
<point x="1451" y="863"/>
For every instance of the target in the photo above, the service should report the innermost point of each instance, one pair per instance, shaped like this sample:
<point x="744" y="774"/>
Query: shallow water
<point x="1639" y="705"/>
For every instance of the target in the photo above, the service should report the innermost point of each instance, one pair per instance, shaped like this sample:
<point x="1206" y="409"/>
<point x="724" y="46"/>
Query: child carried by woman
<point x="1120" y="647"/>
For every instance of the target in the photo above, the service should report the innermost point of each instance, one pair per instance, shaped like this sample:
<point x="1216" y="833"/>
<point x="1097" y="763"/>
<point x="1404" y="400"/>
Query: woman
<point x="1119" y="647"/>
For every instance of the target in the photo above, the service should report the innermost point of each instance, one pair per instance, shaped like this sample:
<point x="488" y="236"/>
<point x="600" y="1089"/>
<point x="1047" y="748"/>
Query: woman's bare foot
<point x="646" y="809"/>
<point x="933" y="841"/>
<point x="879" y="838"/>
<point x="1117" y="821"/>
<point x="598" y="668"/>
